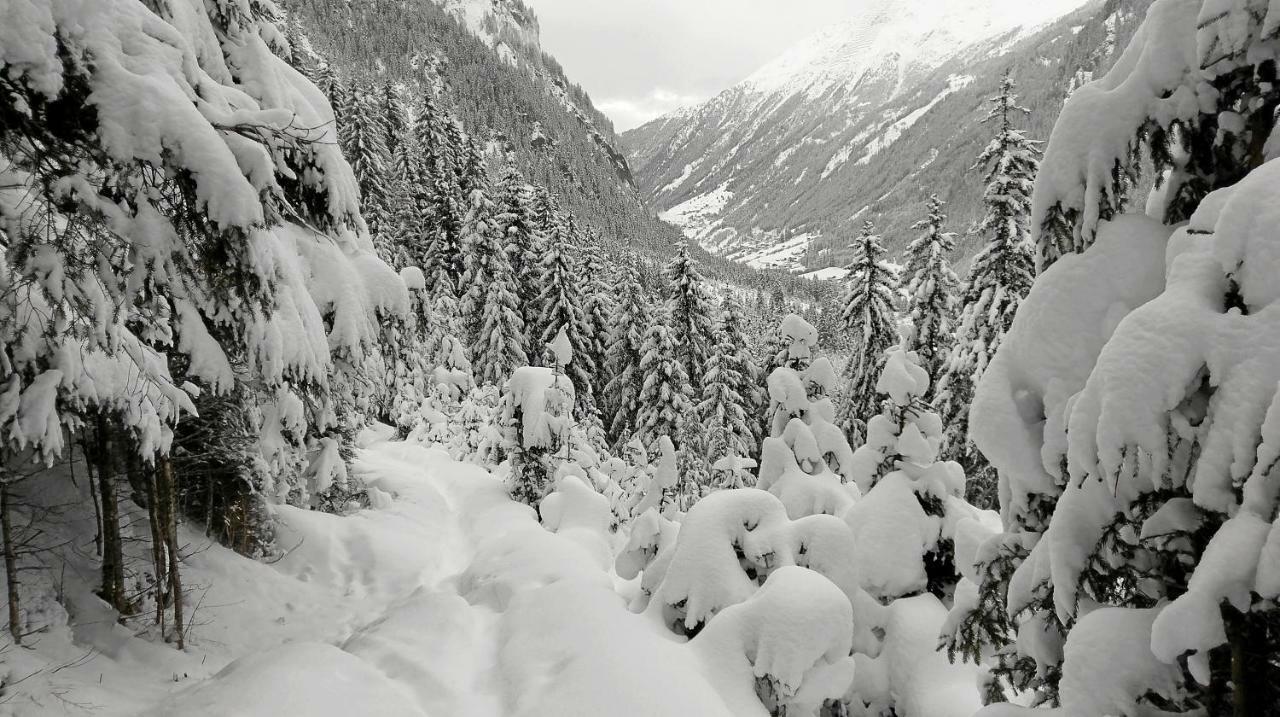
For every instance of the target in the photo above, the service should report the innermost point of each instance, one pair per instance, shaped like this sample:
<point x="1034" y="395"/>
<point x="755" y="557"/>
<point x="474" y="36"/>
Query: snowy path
<point x="446" y="599"/>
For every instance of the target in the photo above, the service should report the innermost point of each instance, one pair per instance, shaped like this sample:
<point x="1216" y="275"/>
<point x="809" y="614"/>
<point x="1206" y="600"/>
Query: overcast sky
<point x="642" y="58"/>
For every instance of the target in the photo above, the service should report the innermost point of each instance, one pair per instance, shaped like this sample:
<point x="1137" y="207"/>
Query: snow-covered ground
<point x="448" y="599"/>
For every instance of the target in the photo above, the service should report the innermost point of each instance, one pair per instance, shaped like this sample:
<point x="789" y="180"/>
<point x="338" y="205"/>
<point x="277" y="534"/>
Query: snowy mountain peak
<point x="920" y="33"/>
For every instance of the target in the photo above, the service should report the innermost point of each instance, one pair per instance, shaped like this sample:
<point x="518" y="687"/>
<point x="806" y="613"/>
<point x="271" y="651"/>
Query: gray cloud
<point x="642" y="58"/>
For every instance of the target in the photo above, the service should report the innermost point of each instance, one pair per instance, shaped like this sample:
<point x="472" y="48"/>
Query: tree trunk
<point x="10" y="560"/>
<point x="167" y="493"/>
<point x="112" y="549"/>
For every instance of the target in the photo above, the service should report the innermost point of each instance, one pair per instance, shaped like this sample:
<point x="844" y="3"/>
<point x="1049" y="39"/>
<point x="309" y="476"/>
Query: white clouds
<point x="635" y="111"/>
<point x="641" y="58"/>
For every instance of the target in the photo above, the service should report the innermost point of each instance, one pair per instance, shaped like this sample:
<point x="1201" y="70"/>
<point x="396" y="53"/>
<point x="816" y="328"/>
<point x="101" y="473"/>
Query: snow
<point x="826" y="273"/>
<point x="912" y="671"/>
<point x="922" y="33"/>
<point x="1019" y="413"/>
<point x="449" y="599"/>
<point x="1109" y="667"/>
<point x="696" y="216"/>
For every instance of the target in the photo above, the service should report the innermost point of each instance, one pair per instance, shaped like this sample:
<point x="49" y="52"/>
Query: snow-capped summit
<point x="848" y="124"/>
<point x="920" y="33"/>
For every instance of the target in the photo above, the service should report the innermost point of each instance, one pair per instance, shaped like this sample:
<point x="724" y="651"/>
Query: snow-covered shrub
<point x="787" y="645"/>
<point x="806" y="460"/>
<point x="728" y="544"/>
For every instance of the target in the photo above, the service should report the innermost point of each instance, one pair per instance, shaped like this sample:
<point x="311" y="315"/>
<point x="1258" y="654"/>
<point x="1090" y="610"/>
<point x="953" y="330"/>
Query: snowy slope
<point x="847" y="125"/>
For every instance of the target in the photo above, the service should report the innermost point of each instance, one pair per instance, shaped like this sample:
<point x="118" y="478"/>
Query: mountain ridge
<point x="779" y="169"/>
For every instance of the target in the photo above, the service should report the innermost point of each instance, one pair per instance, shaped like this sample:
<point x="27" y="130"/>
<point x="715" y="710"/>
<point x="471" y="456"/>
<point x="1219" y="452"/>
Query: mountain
<point x="864" y="121"/>
<point x="484" y="59"/>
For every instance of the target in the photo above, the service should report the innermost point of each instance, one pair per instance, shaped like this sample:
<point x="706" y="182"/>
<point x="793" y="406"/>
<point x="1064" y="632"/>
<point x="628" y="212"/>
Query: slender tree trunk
<point x="156" y="520"/>
<point x="112" y="549"/>
<point x="10" y="559"/>
<point x="167" y="492"/>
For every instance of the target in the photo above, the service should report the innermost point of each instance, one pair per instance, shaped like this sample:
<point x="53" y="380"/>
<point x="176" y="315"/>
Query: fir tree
<point x="561" y="308"/>
<point x="868" y="319"/>
<point x="665" y="394"/>
<point x="514" y="216"/>
<point x="690" y="314"/>
<point x="999" y="278"/>
<point x="364" y="146"/>
<point x="394" y="115"/>
<point x="627" y="329"/>
<point x="330" y="82"/>
<point x="931" y="286"/>
<point x="728" y="390"/>
<point x="490" y="307"/>
<point x="599" y="306"/>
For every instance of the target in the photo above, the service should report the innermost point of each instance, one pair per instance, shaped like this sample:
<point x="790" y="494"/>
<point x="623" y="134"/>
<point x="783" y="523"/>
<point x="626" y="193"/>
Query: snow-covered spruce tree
<point x="513" y="206"/>
<point x="363" y="143"/>
<point x="999" y="277"/>
<point x="627" y="329"/>
<point x="666" y="398"/>
<point x="690" y="314"/>
<point x="902" y="446"/>
<point x="335" y="90"/>
<point x="491" y="305"/>
<point x="931" y="291"/>
<point x="1131" y="410"/>
<point x="160" y="248"/>
<point x="869" y="321"/>
<point x="561" y="308"/>
<point x="534" y="420"/>
<point x="728" y="389"/>
<point x="393" y="114"/>
<point x="599" y="305"/>
<point x="806" y="459"/>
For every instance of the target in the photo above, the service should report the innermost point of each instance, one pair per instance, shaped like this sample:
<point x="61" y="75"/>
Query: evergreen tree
<point x="665" y="394"/>
<point x="394" y="114"/>
<point x="690" y="314"/>
<point x="869" y="321"/>
<point x="999" y="277"/>
<point x="330" y="82"/>
<point x="931" y="286"/>
<point x="727" y="394"/>
<point x="515" y="218"/>
<point x="627" y="329"/>
<point x="561" y="308"/>
<point x="600" y="305"/>
<point x="364" y="146"/>
<point x="490" y="307"/>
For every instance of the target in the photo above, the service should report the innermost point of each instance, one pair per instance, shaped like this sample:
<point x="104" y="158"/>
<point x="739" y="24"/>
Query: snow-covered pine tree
<point x="627" y="329"/>
<point x="335" y="89"/>
<point x="364" y="145"/>
<point x="441" y="239"/>
<point x="999" y="277"/>
<point x="561" y="308"/>
<point x="870" y="323"/>
<point x="394" y="114"/>
<point x="1131" y="410"/>
<point x="599" y="305"/>
<point x="689" y="311"/>
<point x="513" y="199"/>
<point x="490" y="307"/>
<point x="727" y="404"/>
<point x="931" y="291"/>
<point x="665" y="393"/>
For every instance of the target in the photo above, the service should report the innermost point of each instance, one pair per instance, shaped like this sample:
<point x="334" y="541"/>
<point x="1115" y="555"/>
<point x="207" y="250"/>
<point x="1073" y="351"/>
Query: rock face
<point x="864" y="121"/>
